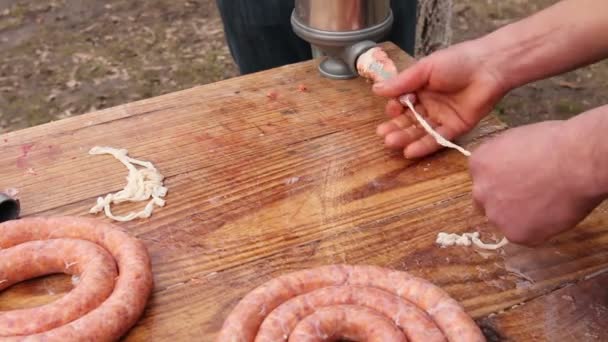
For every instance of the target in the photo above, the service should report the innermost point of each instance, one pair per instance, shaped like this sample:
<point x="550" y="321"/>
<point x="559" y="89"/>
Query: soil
<point x="555" y="98"/>
<point x="61" y="58"/>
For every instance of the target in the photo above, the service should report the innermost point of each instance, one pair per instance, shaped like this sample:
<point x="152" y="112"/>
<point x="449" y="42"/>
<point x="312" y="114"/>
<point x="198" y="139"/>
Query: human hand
<point x="535" y="181"/>
<point x="454" y="90"/>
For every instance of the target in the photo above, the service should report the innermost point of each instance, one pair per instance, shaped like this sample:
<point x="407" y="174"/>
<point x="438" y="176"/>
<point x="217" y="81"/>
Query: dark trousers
<point x="260" y="36"/>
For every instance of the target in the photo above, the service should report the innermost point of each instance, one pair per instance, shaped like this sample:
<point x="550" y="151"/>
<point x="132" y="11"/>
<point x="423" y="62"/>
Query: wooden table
<point x="259" y="187"/>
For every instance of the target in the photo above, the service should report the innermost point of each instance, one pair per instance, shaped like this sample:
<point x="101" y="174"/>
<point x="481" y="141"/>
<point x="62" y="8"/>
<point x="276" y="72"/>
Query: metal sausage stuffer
<point x="341" y="30"/>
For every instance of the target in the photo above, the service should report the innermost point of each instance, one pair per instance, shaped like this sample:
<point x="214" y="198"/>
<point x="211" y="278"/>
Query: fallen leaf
<point x="72" y="84"/>
<point x="570" y="85"/>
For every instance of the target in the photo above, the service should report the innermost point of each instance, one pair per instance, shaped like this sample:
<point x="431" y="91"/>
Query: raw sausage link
<point x="123" y="307"/>
<point x="249" y="315"/>
<point x="282" y="320"/>
<point x="91" y="263"/>
<point x="353" y="323"/>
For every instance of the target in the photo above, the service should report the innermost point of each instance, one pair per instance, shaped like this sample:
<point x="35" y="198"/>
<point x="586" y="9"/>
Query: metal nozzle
<point x="341" y="30"/>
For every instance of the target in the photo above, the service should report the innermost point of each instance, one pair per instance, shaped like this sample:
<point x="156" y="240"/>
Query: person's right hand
<point x="454" y="90"/>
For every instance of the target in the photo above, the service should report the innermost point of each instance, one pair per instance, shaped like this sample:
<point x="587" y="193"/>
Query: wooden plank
<point x="576" y="312"/>
<point x="259" y="187"/>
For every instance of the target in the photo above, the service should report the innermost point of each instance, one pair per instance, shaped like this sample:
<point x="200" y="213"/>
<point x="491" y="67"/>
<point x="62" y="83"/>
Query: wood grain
<point x="260" y="187"/>
<point x="575" y="312"/>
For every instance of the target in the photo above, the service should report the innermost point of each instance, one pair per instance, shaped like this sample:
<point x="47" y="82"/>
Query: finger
<point x="408" y="81"/>
<point x="427" y="144"/>
<point x="386" y="128"/>
<point x="422" y="111"/>
<point x="403" y="137"/>
<point x="412" y="97"/>
<point x="403" y="121"/>
<point x="478" y="193"/>
<point x="394" y="108"/>
<point x="478" y="208"/>
<point x="398" y="123"/>
<point x="410" y="130"/>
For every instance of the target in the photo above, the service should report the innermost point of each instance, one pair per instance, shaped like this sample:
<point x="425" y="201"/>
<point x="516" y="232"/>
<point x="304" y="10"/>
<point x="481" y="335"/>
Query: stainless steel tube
<point x="341" y="15"/>
<point x="341" y="30"/>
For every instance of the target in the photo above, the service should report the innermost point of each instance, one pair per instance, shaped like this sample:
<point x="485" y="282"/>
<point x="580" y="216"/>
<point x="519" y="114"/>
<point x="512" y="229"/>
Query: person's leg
<point x="259" y="34"/>
<point x="403" y="33"/>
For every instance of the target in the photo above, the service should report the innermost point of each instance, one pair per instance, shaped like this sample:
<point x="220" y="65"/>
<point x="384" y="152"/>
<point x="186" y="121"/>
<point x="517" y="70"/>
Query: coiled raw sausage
<point x="115" y="270"/>
<point x="297" y="305"/>
<point x="95" y="268"/>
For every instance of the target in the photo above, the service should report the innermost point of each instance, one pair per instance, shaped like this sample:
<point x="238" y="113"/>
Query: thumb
<point x="408" y="81"/>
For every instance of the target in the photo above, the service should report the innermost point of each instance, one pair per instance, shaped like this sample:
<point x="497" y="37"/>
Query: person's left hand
<point x="531" y="182"/>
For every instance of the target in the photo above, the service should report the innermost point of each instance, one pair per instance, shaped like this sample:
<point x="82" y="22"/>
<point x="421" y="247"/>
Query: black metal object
<point x="9" y="208"/>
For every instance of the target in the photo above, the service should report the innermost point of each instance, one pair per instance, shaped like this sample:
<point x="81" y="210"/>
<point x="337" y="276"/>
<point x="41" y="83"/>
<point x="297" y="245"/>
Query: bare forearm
<point x="585" y="138"/>
<point x="563" y="37"/>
